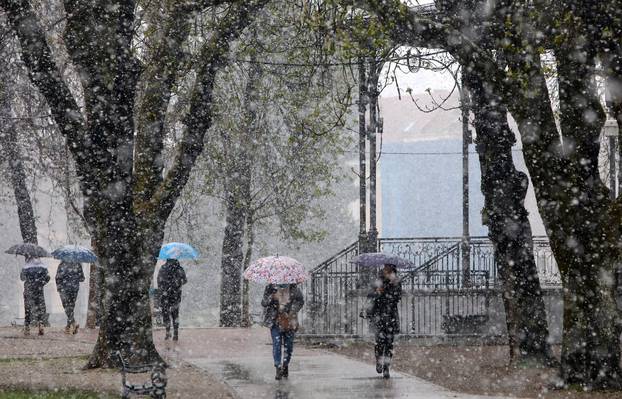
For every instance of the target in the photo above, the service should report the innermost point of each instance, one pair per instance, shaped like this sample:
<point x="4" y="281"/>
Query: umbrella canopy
<point x="379" y="259"/>
<point x="178" y="250"/>
<point x="74" y="254"/>
<point x="276" y="270"/>
<point x="28" y="249"/>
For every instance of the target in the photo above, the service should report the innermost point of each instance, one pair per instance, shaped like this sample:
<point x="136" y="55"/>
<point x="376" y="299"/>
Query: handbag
<point x="287" y="321"/>
<point x="282" y="320"/>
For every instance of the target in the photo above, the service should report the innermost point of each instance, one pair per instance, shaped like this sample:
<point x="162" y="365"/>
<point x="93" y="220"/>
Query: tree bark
<point x="128" y="261"/>
<point x="237" y="201"/>
<point x="93" y="313"/>
<point x="17" y="174"/>
<point x="92" y="308"/>
<point x="25" y="211"/>
<point x="232" y="263"/>
<point x="504" y="214"/>
<point x="239" y="153"/>
<point x="250" y="241"/>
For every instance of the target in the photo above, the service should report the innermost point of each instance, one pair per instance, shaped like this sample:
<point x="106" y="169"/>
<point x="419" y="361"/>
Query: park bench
<point x="155" y="387"/>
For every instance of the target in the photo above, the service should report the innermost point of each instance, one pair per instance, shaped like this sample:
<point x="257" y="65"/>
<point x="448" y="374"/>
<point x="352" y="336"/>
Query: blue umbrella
<point x="74" y="254"/>
<point x="178" y="250"/>
<point x="379" y="259"/>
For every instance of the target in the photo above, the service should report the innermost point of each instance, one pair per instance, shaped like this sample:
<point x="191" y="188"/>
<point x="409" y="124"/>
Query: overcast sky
<point x="419" y="82"/>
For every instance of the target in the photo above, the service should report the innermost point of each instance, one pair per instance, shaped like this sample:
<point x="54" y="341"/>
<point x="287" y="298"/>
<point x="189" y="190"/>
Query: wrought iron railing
<point x="438" y="297"/>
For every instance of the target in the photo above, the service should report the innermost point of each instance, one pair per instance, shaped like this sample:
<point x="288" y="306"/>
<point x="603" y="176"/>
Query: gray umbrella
<point x="378" y="259"/>
<point x="28" y="249"/>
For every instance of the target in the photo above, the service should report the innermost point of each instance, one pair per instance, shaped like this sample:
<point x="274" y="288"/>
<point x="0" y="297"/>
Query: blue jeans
<point x="281" y="338"/>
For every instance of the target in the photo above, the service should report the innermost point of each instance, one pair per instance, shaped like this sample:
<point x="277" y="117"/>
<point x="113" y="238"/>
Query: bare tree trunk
<point x="93" y="309"/>
<point x="25" y="212"/>
<point x="237" y="198"/>
<point x="250" y="241"/>
<point x="504" y="213"/>
<point x="128" y="261"/>
<point x="239" y="153"/>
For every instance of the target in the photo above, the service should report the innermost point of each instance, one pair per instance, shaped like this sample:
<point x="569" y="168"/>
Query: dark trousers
<point x="34" y="305"/>
<point x="281" y="339"/>
<point x="384" y="346"/>
<point x="170" y="312"/>
<point x="68" y="298"/>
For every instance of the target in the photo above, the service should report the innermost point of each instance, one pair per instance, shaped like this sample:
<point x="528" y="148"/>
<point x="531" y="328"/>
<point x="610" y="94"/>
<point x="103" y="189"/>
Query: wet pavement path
<point x="242" y="358"/>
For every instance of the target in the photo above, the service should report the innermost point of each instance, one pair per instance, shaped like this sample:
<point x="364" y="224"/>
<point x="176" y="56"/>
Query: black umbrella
<point x="28" y="249"/>
<point x="378" y="259"/>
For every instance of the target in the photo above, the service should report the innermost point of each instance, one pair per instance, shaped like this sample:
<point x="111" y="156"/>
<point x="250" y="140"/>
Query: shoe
<point x="379" y="365"/>
<point x="41" y="332"/>
<point x="175" y="335"/>
<point x="167" y="336"/>
<point x="279" y="373"/>
<point x="68" y="329"/>
<point x="26" y="331"/>
<point x="385" y="373"/>
<point x="75" y="328"/>
<point x="285" y="371"/>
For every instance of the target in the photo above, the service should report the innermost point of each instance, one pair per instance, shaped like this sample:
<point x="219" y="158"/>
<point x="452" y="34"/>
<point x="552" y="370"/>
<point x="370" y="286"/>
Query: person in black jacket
<point x="384" y="315"/>
<point x="281" y="304"/>
<point x="68" y="278"/>
<point x="171" y="278"/>
<point x="35" y="276"/>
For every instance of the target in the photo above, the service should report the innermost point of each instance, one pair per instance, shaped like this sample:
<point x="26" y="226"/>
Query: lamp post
<point x="374" y="72"/>
<point x="466" y="140"/>
<point x="362" y="106"/>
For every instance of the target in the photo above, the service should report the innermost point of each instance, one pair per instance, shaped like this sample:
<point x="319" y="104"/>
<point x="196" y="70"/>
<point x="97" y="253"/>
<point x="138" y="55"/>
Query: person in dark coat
<point x="68" y="278"/>
<point x="384" y="316"/>
<point x="171" y="278"/>
<point x="281" y="306"/>
<point x="35" y="276"/>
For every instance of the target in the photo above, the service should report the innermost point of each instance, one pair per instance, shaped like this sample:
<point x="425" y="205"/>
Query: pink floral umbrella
<point x="276" y="270"/>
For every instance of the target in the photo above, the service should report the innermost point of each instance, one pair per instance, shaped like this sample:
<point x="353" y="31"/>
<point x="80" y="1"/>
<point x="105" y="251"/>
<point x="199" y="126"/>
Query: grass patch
<point x="4" y="360"/>
<point x="21" y="394"/>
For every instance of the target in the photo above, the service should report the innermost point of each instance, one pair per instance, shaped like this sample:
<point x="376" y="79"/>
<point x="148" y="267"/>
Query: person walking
<point x="171" y="278"/>
<point x="35" y="276"/>
<point x="68" y="278"/>
<point x="281" y="304"/>
<point x="384" y="316"/>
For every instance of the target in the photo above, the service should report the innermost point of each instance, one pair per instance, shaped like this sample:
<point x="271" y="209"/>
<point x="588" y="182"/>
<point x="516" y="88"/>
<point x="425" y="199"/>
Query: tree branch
<point x="44" y="72"/>
<point x="199" y="117"/>
<point x="158" y="76"/>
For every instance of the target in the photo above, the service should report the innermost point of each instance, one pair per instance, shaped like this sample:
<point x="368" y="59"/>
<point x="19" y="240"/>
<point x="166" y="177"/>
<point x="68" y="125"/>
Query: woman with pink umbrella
<point x="282" y="300"/>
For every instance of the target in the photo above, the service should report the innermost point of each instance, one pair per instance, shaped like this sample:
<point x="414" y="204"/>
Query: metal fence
<point x="440" y="295"/>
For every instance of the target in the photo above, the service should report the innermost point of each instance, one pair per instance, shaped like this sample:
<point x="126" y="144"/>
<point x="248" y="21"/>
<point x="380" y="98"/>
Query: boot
<point x="41" y="332"/>
<point x="75" y="328"/>
<point x="279" y="373"/>
<point x="285" y="371"/>
<point x="168" y="334"/>
<point x="175" y="335"/>
<point x="379" y="364"/>
<point x="26" y="331"/>
<point x="68" y="328"/>
<point x="385" y="372"/>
